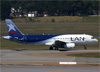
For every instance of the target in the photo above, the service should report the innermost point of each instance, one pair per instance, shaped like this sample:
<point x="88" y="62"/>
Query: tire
<point x="56" y="48"/>
<point x="51" y="48"/>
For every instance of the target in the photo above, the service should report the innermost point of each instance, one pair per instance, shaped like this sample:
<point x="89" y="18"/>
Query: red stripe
<point x="14" y="32"/>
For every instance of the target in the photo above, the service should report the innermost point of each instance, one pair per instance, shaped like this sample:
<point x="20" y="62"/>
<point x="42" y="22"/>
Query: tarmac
<point x="20" y="60"/>
<point x="16" y="68"/>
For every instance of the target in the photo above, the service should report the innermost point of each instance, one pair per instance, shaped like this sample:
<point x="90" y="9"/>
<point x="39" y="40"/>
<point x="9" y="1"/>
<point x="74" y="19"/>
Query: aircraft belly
<point x="41" y="42"/>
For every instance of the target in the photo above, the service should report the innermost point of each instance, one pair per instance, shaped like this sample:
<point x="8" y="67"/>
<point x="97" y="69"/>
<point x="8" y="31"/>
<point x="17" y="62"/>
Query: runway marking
<point x="67" y="62"/>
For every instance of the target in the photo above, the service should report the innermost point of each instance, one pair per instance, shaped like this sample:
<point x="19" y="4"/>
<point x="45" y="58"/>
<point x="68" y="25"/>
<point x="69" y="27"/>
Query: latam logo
<point x="78" y="39"/>
<point x="11" y="27"/>
<point x="14" y="32"/>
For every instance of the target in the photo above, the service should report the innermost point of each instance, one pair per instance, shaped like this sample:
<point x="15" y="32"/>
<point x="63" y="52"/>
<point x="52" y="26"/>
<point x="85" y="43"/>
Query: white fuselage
<point x="72" y="38"/>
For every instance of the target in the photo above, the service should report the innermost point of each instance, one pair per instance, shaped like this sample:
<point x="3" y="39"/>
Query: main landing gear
<point x="56" y="48"/>
<point x="85" y="48"/>
<point x="51" y="48"/>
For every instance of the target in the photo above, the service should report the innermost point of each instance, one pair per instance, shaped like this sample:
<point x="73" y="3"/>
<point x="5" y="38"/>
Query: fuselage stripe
<point x="15" y="32"/>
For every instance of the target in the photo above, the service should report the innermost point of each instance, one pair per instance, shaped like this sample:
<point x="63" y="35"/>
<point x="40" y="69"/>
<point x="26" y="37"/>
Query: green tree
<point x="5" y="9"/>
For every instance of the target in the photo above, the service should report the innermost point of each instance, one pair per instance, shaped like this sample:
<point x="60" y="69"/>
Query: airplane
<point x="54" y="41"/>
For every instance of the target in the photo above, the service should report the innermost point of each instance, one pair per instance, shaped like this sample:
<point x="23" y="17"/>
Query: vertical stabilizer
<point x="12" y="29"/>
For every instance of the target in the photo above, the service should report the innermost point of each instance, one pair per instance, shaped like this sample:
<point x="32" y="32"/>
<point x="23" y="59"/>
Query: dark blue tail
<point x="12" y="29"/>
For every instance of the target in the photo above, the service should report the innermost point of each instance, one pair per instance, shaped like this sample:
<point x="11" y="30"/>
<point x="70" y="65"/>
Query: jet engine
<point x="69" y="45"/>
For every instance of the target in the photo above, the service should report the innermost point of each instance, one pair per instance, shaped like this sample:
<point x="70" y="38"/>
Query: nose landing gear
<point x="85" y="48"/>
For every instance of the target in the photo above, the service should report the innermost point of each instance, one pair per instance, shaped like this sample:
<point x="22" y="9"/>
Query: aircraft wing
<point x="61" y="44"/>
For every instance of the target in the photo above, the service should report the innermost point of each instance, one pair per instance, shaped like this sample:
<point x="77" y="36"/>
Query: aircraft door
<point x="25" y="38"/>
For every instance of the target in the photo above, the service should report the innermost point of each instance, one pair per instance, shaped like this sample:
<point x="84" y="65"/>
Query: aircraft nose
<point x="96" y="40"/>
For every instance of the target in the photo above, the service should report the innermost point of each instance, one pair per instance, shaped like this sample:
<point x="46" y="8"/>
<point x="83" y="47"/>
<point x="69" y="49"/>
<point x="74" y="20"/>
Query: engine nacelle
<point x="69" y="45"/>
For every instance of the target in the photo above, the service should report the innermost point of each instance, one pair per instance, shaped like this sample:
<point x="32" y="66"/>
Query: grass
<point x="50" y="19"/>
<point x="58" y="19"/>
<point x="90" y="55"/>
<point x="54" y="29"/>
<point x="91" y="19"/>
<point x="6" y="44"/>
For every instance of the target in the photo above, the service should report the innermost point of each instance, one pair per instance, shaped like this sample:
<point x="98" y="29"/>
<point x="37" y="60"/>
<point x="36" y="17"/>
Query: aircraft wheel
<point x="51" y="48"/>
<point x="85" y="48"/>
<point x="56" y="48"/>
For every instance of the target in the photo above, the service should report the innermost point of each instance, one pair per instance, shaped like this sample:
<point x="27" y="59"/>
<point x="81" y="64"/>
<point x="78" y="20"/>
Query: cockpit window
<point x="92" y="37"/>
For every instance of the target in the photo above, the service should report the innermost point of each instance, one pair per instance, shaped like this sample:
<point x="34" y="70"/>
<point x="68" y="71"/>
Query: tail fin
<point x="12" y="29"/>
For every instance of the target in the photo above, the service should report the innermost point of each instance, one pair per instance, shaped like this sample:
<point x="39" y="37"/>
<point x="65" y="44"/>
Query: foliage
<point x="57" y="7"/>
<point x="5" y="9"/>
